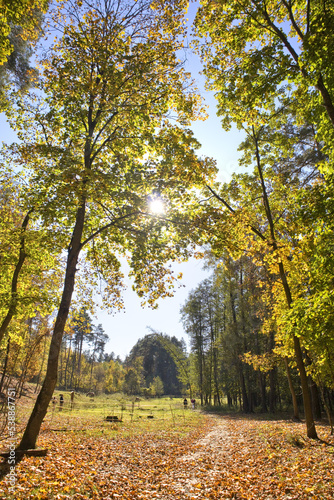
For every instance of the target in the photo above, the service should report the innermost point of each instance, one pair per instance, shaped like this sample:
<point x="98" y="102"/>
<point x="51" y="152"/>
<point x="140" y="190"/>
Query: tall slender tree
<point x="107" y="145"/>
<point x="272" y="223"/>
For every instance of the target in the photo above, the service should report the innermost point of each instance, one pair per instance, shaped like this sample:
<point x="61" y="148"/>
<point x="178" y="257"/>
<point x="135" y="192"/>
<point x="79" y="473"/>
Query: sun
<point x="157" y="207"/>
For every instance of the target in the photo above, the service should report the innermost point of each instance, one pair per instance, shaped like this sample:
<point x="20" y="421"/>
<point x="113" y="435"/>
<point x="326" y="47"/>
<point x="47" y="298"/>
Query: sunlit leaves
<point x="112" y="86"/>
<point x="256" y="53"/>
<point x="30" y="263"/>
<point x="20" y="13"/>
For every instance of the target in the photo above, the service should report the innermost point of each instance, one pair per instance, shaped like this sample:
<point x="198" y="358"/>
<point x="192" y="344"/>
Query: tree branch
<point x="281" y="35"/>
<point x="292" y="19"/>
<point x="107" y="226"/>
<point x="256" y="231"/>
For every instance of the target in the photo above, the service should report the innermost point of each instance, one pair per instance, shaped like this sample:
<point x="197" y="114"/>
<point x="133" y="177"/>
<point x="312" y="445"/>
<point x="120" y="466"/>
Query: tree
<point x="194" y="318"/>
<point x="38" y="331"/>
<point x="25" y="351"/>
<point x="18" y="13"/>
<point x="256" y="52"/>
<point x="221" y="317"/>
<point x="272" y="225"/>
<point x="12" y="303"/>
<point x="105" y="146"/>
<point x="114" y="376"/>
<point x="253" y="66"/>
<point x="98" y="339"/>
<point x="311" y="310"/>
<point x="311" y="432"/>
<point x="134" y="379"/>
<point x="82" y="331"/>
<point x="20" y="27"/>
<point x="29" y="258"/>
<point x="177" y="351"/>
<point x="157" y="387"/>
<point x="157" y="360"/>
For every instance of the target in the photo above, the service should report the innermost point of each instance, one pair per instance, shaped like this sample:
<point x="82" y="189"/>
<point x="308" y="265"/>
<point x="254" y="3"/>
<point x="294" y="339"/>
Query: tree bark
<point x="262" y="381"/>
<point x="13" y="299"/>
<point x="31" y="432"/>
<point x="245" y="401"/>
<point x="328" y="412"/>
<point x="316" y="405"/>
<point x="67" y="363"/>
<point x="292" y="390"/>
<point x="272" y="390"/>
<point x="327" y="101"/>
<point x="320" y="85"/>
<point x="42" y="365"/>
<point x="4" y="370"/>
<point x="272" y="377"/>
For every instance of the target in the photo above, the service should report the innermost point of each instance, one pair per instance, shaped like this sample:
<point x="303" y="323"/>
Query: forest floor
<point x="194" y="456"/>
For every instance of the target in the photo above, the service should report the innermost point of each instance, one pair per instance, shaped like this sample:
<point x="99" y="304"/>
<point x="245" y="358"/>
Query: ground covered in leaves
<point x="190" y="456"/>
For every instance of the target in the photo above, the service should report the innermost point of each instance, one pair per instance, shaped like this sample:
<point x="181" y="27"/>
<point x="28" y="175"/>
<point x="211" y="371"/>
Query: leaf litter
<point x="211" y="457"/>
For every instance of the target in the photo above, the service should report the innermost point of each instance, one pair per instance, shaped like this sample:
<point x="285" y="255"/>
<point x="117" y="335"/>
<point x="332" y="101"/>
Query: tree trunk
<point x="4" y="370"/>
<point x="272" y="377"/>
<point x="316" y="405"/>
<point x="292" y="390"/>
<point x="74" y="359"/>
<point x="262" y="380"/>
<point x="310" y="426"/>
<point x="216" y="376"/>
<point x="327" y="101"/>
<point x="61" y="360"/>
<point x="272" y="390"/>
<point x="42" y="365"/>
<point x="315" y="397"/>
<point x="67" y="363"/>
<point x="245" y="401"/>
<point x="77" y="383"/>
<point x="91" y="369"/>
<point x="13" y="298"/>
<point x="39" y="411"/>
<point x="328" y="413"/>
<point x="26" y="361"/>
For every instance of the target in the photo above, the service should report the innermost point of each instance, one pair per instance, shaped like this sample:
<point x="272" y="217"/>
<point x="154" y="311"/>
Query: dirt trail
<point x="213" y="447"/>
<point x="243" y="458"/>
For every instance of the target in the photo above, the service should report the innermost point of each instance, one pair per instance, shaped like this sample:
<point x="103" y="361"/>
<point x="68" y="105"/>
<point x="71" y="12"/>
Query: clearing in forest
<point x="161" y="451"/>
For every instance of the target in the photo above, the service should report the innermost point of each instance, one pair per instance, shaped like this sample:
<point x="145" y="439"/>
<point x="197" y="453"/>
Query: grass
<point x="87" y="416"/>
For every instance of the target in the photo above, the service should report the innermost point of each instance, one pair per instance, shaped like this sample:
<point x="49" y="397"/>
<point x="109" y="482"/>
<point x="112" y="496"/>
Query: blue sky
<point x="124" y="328"/>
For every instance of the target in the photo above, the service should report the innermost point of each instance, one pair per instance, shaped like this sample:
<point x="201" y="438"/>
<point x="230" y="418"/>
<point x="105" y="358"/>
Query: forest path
<point x="205" y="462"/>
<point x="246" y="458"/>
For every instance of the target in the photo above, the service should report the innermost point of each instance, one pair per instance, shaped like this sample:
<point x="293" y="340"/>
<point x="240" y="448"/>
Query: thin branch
<point x="107" y="226"/>
<point x="308" y="10"/>
<point x="292" y="19"/>
<point x="256" y="231"/>
<point x="221" y="199"/>
<point x="13" y="294"/>
<point x="110" y="138"/>
<point x="281" y="35"/>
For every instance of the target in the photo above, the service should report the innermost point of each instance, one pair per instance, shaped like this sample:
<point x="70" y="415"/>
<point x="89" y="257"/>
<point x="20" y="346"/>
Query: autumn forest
<point x="107" y="169"/>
